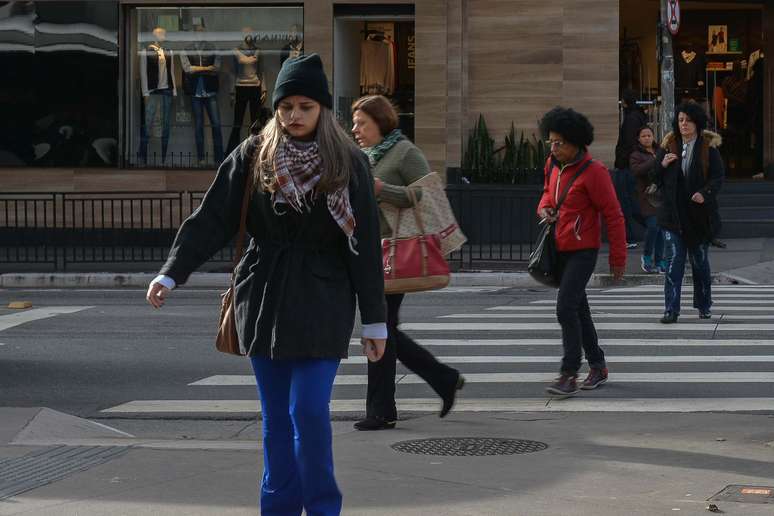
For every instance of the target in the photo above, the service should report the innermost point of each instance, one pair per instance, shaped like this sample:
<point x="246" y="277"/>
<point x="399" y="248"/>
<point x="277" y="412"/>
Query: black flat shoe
<point x="669" y="318"/>
<point x="374" y="423"/>
<point x="705" y="315"/>
<point x="448" y="400"/>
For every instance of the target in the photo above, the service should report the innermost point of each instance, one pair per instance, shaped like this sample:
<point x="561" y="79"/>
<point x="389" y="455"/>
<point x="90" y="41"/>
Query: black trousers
<point x="380" y="401"/>
<point x="573" y="312"/>
<point x="244" y="96"/>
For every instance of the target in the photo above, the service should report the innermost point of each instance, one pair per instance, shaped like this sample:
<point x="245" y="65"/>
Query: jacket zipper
<point x="577" y="227"/>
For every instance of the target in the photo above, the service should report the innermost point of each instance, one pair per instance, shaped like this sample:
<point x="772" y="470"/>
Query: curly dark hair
<point x="695" y="112"/>
<point x="574" y="127"/>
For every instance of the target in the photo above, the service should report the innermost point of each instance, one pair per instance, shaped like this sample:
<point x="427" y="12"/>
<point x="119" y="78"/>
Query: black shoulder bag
<point x="543" y="258"/>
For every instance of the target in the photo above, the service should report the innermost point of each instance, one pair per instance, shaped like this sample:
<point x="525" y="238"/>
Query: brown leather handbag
<point x="227" y="340"/>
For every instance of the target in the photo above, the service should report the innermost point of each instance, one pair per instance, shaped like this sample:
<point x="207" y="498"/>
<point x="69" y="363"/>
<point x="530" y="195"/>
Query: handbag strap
<point x="240" y="242"/>
<point x="567" y="188"/>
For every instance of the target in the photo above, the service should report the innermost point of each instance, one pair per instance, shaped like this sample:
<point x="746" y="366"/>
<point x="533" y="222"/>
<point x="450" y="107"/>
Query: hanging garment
<point x="719" y="106"/>
<point x="377" y="68"/>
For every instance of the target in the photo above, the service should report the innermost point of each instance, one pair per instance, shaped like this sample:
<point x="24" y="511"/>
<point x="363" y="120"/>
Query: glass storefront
<point x="60" y="83"/>
<point x="200" y="78"/>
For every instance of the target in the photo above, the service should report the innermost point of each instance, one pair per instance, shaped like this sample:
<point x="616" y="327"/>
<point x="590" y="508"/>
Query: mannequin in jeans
<point x="201" y="65"/>
<point x="157" y="83"/>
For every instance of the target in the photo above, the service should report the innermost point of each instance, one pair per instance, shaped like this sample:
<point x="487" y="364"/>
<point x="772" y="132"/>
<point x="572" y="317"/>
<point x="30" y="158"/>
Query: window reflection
<point x="59" y="90"/>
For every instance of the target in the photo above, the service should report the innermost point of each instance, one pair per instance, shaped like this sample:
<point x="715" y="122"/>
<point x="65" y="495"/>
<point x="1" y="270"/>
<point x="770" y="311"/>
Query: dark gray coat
<point x="297" y="284"/>
<point x="696" y="223"/>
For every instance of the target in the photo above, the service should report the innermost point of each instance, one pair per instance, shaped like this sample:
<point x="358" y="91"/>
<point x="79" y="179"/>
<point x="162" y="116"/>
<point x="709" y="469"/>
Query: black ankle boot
<point x="448" y="400"/>
<point x="374" y="423"/>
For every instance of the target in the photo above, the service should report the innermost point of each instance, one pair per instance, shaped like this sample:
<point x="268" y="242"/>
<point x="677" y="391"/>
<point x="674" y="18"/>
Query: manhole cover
<point x="37" y="469"/>
<point x="469" y="446"/>
<point x="745" y="494"/>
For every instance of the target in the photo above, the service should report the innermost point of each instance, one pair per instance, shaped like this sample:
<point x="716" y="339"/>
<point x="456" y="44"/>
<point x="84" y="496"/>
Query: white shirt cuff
<point x="165" y="281"/>
<point x="375" y="331"/>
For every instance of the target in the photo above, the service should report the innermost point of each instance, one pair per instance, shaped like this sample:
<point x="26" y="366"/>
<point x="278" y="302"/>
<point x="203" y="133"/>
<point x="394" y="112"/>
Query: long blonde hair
<point x="336" y="150"/>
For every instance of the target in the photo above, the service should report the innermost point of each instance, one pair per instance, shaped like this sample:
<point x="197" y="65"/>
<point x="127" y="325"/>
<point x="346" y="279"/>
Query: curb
<point x="220" y="281"/>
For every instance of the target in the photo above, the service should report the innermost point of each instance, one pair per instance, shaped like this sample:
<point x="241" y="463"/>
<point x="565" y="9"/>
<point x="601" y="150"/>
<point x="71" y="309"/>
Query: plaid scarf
<point x="298" y="166"/>
<point x="377" y="152"/>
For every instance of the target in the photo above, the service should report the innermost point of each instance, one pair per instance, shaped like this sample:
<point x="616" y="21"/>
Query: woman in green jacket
<point x="395" y="164"/>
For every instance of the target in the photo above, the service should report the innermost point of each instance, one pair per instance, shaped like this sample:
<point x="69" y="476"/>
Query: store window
<point x="59" y="89"/>
<point x="200" y="79"/>
<point x="375" y="54"/>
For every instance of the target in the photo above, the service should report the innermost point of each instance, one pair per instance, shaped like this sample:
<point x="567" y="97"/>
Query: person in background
<point x="578" y="234"/>
<point x="315" y="251"/>
<point x="396" y="163"/>
<point x="690" y="173"/>
<point x="634" y="117"/>
<point x="642" y="165"/>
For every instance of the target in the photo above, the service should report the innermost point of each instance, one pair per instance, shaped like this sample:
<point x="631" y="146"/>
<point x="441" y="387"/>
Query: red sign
<point x="673" y="16"/>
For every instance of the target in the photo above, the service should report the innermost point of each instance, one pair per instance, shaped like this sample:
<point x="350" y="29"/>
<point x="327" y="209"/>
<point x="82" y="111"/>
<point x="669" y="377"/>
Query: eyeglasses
<point x="554" y="143"/>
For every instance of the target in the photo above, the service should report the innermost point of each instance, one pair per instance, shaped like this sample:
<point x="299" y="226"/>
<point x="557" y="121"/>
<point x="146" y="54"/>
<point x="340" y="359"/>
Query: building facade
<point x="119" y="96"/>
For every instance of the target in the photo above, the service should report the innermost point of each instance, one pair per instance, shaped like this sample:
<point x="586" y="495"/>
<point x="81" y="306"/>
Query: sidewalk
<point x="745" y="261"/>
<point x="595" y="464"/>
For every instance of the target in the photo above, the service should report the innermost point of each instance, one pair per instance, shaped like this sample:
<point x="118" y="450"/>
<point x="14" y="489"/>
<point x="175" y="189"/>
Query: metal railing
<point x="61" y="229"/>
<point x="54" y="231"/>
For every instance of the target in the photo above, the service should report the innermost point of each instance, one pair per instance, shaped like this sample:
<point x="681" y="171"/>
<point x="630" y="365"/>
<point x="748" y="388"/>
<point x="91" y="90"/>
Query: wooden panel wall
<point x="525" y="57"/>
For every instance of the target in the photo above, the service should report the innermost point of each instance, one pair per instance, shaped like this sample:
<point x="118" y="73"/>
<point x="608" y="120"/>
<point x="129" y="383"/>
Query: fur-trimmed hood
<point x="713" y="139"/>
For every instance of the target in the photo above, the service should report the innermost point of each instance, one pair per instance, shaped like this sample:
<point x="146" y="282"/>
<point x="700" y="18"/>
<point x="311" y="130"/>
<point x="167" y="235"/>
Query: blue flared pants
<point x="297" y="437"/>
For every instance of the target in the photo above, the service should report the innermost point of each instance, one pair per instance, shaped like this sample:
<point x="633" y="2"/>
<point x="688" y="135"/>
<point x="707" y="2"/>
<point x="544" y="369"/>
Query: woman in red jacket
<point x="578" y="235"/>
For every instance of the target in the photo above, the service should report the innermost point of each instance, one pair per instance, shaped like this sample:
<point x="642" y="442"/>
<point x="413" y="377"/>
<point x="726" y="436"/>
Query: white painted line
<point x="606" y="301"/>
<point x="739" y="288"/>
<point x="707" y="325"/>
<point x="576" y="404"/>
<point x="464" y="290"/>
<point x="632" y="359"/>
<point x="715" y="343"/>
<point x="684" y="295"/>
<point x="617" y="306"/>
<point x="233" y="380"/>
<point x="162" y="444"/>
<point x="601" y="315"/>
<point x="15" y="319"/>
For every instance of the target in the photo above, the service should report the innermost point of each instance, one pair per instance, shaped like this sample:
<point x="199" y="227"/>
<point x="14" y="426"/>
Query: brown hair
<point x="380" y="109"/>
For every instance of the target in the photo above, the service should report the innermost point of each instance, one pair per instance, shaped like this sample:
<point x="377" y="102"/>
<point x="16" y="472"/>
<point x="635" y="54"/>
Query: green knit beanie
<point x="303" y="75"/>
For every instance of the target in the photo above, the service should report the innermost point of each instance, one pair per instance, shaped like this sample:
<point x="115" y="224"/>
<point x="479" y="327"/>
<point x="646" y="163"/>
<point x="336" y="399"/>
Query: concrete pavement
<point x="594" y="464"/>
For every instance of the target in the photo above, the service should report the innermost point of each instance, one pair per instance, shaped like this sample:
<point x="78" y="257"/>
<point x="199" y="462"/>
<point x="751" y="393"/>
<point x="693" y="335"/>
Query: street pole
<point x="667" y="74"/>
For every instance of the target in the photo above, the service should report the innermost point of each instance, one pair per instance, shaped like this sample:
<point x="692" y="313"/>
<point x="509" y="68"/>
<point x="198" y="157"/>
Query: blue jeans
<point x="198" y="105"/>
<point x="297" y="437"/>
<point x="654" y="240"/>
<point x="700" y="267"/>
<point x="157" y="100"/>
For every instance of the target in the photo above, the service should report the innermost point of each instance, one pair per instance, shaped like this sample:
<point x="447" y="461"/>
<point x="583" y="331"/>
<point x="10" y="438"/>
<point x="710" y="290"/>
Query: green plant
<point x="509" y="164"/>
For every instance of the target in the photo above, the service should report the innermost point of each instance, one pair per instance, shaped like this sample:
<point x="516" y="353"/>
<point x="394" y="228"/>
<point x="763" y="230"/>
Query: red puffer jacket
<point x="579" y="225"/>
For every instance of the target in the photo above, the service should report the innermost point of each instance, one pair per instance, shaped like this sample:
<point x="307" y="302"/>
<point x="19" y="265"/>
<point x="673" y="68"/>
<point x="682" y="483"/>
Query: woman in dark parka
<point x="690" y="171"/>
<point x="315" y="250"/>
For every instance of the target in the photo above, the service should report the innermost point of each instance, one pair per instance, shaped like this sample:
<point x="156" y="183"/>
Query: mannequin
<point x="248" y="85"/>
<point x="201" y="65"/>
<point x="157" y="83"/>
<point x="296" y="46"/>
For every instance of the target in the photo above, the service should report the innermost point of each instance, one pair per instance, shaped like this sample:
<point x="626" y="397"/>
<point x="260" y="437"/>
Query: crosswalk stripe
<point x="629" y="301"/>
<point x="715" y="343"/>
<point x="689" y="288"/>
<point x="577" y="404"/>
<point x="595" y="306"/>
<point x="625" y="359"/>
<point x="596" y="315"/>
<point x="15" y="319"/>
<point x="684" y="295"/>
<point x="672" y="377"/>
<point x="708" y="325"/>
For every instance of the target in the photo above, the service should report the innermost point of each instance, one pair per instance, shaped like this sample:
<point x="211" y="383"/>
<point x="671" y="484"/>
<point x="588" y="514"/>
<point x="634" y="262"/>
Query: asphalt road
<point x="118" y="351"/>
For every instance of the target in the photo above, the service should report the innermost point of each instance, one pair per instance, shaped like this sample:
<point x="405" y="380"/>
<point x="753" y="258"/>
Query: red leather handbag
<point x="413" y="264"/>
